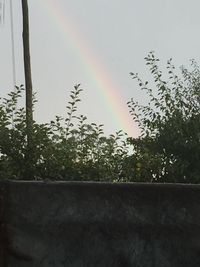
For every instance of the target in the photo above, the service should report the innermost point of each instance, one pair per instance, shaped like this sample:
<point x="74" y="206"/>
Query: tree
<point x="168" y="149"/>
<point x="64" y="149"/>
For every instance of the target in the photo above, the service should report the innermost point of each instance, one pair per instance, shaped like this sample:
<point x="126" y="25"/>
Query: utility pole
<point x="28" y="83"/>
<point x="27" y="65"/>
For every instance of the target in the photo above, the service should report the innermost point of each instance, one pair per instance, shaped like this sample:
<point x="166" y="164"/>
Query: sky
<point x="97" y="43"/>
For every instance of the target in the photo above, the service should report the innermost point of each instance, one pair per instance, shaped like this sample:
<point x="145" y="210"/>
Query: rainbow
<point x="95" y="69"/>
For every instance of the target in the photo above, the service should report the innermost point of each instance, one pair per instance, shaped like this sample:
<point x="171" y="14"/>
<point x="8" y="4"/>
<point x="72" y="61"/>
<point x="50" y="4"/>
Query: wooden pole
<point x="27" y="64"/>
<point x="28" y="84"/>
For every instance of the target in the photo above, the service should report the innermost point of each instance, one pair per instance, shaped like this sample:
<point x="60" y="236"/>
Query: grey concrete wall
<point x="100" y="225"/>
<point x="3" y="235"/>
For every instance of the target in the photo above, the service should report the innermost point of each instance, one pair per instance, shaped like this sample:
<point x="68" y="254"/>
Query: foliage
<point x="168" y="149"/>
<point x="64" y="149"/>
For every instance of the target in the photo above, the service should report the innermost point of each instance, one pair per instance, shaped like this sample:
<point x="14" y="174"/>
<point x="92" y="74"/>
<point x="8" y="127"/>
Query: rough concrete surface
<point x="65" y="224"/>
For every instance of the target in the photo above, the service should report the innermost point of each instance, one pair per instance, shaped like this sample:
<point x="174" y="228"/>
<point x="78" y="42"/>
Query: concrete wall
<point x="99" y="225"/>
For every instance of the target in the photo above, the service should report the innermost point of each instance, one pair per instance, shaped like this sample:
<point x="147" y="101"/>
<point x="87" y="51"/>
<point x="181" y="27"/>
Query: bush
<point x="168" y="149"/>
<point x="64" y="149"/>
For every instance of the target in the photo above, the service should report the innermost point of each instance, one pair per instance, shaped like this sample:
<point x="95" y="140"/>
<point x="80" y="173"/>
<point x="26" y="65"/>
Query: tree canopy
<point x="70" y="148"/>
<point x="168" y="149"/>
<point x="65" y="149"/>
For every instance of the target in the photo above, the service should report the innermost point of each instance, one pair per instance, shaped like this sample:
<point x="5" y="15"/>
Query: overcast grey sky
<point x="97" y="43"/>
